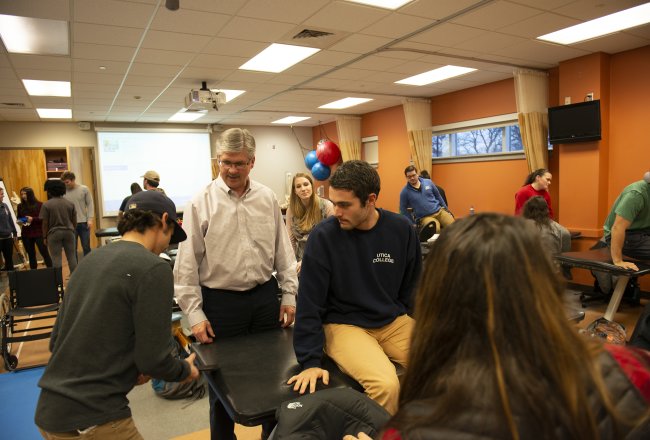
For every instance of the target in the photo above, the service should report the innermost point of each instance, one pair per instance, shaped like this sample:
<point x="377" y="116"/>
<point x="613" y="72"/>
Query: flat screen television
<point x="574" y="122"/>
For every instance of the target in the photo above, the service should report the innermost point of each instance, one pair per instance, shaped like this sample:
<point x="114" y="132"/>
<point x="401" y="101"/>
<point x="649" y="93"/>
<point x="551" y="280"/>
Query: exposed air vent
<point x="12" y="105"/>
<point x="310" y="33"/>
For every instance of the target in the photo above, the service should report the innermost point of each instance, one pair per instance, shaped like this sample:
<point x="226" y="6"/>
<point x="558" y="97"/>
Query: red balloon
<point x="328" y="152"/>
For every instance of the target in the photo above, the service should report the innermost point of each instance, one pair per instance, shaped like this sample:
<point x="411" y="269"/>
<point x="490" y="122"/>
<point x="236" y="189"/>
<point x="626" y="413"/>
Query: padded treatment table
<point x="249" y="373"/>
<point x="107" y="232"/>
<point x="601" y="260"/>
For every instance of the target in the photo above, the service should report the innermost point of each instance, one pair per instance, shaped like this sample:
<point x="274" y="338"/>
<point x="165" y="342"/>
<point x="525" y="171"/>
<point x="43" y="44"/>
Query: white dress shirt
<point x="233" y="243"/>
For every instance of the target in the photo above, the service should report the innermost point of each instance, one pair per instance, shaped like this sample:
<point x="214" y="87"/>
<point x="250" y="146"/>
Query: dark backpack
<point x="193" y="390"/>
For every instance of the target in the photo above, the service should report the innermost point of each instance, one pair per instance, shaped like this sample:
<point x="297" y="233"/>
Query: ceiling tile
<point x="189" y="22"/>
<point x="108" y="35"/>
<point x="174" y="41"/>
<point x="496" y="15"/>
<point x="109" y="12"/>
<point x="345" y="16"/>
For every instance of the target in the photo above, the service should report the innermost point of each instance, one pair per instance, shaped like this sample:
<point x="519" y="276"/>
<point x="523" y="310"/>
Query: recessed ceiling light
<point x="386" y="4"/>
<point x="435" y="75"/>
<point x="291" y="120"/>
<point x="230" y="94"/>
<point x="34" y="35"/>
<point x="47" y="88"/>
<point x="102" y="67"/>
<point x="278" y="57"/>
<point x="185" y="116"/>
<point x="54" y="113"/>
<point x="599" y="27"/>
<point x="345" y="103"/>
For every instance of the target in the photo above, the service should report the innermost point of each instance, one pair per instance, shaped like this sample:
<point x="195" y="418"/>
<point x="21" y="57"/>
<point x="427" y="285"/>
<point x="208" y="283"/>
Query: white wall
<point x="278" y="153"/>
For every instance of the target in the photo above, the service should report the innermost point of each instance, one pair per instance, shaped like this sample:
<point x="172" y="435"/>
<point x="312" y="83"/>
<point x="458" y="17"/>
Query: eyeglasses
<point x="237" y="165"/>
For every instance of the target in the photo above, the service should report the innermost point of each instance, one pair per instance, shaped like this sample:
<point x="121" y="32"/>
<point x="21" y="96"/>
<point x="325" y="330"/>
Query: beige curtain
<point x="531" y="93"/>
<point x="417" y="113"/>
<point x="349" y="131"/>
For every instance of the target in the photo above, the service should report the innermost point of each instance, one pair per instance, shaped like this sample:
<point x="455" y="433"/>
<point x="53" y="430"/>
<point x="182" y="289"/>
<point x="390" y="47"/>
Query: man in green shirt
<point x="113" y="330"/>
<point x="627" y="227"/>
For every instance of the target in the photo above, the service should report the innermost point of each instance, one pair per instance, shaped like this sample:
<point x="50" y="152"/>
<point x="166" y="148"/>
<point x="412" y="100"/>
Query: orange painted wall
<point x="584" y="165"/>
<point x="497" y="98"/>
<point x="629" y="155"/>
<point x="390" y="127"/>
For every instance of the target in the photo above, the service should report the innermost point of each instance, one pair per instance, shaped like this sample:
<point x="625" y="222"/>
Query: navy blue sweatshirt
<point x="362" y="278"/>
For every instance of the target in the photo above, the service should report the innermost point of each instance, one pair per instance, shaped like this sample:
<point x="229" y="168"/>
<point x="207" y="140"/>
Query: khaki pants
<point x="123" y="429"/>
<point x="442" y="218"/>
<point x="365" y="354"/>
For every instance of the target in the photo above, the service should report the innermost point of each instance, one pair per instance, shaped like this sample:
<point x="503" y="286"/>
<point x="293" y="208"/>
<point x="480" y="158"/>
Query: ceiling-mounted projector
<point x="204" y="99"/>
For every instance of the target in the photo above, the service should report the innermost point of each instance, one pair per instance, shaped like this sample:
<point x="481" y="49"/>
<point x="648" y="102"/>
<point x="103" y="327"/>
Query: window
<point x="488" y="136"/>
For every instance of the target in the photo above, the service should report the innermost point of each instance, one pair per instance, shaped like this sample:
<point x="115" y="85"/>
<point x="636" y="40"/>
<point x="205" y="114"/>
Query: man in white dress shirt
<point x="223" y="271"/>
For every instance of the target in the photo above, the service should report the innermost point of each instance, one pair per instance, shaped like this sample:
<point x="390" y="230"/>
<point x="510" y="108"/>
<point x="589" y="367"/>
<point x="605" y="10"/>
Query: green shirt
<point x="633" y="204"/>
<point x="115" y="322"/>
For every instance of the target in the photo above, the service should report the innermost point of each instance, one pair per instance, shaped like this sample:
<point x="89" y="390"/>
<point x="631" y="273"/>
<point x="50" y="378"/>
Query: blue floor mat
<point x="18" y="404"/>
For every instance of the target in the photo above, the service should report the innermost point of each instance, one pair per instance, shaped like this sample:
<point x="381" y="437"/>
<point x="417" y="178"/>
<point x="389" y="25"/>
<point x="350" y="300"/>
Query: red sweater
<point x="525" y="193"/>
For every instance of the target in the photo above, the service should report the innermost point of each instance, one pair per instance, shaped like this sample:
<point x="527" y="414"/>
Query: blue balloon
<point x="320" y="171"/>
<point x="311" y="159"/>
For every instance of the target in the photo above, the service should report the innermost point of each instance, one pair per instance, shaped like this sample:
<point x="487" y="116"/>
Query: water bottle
<point x="471" y="210"/>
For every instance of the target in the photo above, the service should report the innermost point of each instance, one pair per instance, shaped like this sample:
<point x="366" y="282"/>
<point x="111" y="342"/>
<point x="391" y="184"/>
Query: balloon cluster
<point x="326" y="154"/>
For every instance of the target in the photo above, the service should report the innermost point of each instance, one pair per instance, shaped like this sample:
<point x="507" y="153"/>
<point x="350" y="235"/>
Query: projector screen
<point x="181" y="158"/>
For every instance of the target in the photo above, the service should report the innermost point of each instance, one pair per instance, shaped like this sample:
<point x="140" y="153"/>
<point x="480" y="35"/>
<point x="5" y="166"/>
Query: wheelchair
<point x="34" y="295"/>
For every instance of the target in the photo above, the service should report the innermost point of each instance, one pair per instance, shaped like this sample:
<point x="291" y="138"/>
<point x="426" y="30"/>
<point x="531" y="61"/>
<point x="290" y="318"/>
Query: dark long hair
<point x="534" y="175"/>
<point x="490" y="328"/>
<point x="31" y="199"/>
<point x="536" y="209"/>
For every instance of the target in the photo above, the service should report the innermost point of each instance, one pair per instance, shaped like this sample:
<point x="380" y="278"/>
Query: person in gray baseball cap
<point x="113" y="330"/>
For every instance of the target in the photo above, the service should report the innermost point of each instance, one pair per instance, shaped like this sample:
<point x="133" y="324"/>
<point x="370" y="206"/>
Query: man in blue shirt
<point x="357" y="282"/>
<point x="424" y="198"/>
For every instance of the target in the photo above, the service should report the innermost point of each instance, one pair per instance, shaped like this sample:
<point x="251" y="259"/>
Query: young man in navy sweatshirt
<point x="359" y="272"/>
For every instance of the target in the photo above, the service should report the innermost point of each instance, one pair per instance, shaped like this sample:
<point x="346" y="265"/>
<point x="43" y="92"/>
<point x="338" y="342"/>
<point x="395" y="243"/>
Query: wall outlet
<point x="567" y="100"/>
<point x="589" y="97"/>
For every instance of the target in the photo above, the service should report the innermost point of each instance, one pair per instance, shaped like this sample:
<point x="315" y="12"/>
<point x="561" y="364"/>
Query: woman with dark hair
<point x="29" y="210"/>
<point x="555" y="237"/>
<point x="493" y="356"/>
<point x="135" y="188"/>
<point x="59" y="218"/>
<point x="536" y="184"/>
<point x="305" y="211"/>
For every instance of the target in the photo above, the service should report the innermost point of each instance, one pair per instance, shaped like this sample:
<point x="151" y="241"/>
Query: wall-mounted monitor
<point x="574" y="122"/>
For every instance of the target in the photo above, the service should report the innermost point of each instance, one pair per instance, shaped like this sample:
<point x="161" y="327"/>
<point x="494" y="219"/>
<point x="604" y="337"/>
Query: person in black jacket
<point x="359" y="270"/>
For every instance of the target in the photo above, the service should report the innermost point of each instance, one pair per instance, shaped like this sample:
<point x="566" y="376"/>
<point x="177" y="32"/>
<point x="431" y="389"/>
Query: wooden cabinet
<point x="56" y="162"/>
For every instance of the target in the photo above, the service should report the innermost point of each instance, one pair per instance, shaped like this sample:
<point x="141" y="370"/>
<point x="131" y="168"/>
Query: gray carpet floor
<point x="161" y="419"/>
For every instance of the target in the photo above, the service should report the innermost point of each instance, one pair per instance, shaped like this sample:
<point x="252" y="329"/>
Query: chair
<point x="33" y="295"/>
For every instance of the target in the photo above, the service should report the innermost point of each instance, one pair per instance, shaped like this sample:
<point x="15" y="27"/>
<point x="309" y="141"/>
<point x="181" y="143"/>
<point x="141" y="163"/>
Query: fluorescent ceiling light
<point x="601" y="26"/>
<point x="54" y="113"/>
<point x="278" y="57"/>
<point x="230" y="94"/>
<point x="435" y="75"/>
<point x="386" y="4"/>
<point x="291" y="120"/>
<point x="47" y="88"/>
<point x="184" y="116"/>
<point x="34" y="35"/>
<point x="345" y="103"/>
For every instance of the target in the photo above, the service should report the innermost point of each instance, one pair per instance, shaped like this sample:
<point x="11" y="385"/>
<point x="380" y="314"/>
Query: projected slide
<point x="181" y="159"/>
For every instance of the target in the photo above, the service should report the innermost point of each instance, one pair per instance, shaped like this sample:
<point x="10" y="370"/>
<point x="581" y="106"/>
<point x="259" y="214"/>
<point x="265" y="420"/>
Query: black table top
<point x="107" y="232"/>
<point x="601" y="259"/>
<point x="251" y="374"/>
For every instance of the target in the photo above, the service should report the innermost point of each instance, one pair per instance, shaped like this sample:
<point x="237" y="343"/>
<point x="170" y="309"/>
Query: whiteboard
<point x="181" y="158"/>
